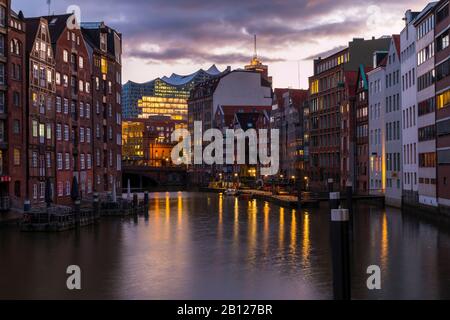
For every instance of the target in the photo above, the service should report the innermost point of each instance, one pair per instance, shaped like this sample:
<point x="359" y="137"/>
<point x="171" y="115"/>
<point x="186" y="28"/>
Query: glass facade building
<point x="141" y="100"/>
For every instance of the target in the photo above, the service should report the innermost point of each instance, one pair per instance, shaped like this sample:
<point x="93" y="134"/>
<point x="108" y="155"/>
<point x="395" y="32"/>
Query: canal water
<point x="208" y="246"/>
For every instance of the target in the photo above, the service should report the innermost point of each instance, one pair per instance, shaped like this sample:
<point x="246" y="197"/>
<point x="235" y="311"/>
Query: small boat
<point x="232" y="192"/>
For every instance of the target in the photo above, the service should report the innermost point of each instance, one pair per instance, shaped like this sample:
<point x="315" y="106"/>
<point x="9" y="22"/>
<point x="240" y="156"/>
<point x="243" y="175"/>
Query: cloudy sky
<point x="165" y="36"/>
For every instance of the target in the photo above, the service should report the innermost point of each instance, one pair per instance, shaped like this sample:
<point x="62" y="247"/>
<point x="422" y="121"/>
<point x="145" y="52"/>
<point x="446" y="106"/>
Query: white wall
<point x="409" y="100"/>
<point x="241" y="88"/>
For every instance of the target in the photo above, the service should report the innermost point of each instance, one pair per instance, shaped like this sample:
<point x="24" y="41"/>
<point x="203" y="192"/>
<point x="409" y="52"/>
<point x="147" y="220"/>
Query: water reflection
<point x="305" y="239"/>
<point x="197" y="246"/>
<point x="384" y="253"/>
<point x="281" y="229"/>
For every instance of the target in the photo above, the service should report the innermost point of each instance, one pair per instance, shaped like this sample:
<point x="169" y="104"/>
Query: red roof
<point x="396" y="38"/>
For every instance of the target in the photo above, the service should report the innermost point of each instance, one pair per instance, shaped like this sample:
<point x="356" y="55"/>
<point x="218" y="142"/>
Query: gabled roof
<point x="362" y="73"/>
<point x="32" y="26"/>
<point x="247" y="120"/>
<point x="56" y="25"/>
<point x="396" y="39"/>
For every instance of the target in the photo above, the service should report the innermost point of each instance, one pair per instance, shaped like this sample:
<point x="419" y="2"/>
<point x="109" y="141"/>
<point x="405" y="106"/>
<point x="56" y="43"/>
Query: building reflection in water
<point x="236" y="224"/>
<point x="220" y="223"/>
<point x="180" y="208"/>
<point x="281" y="229"/>
<point x="293" y="245"/>
<point x="123" y="260"/>
<point x="252" y="229"/>
<point x="266" y="226"/>
<point x="384" y="252"/>
<point x="306" y="242"/>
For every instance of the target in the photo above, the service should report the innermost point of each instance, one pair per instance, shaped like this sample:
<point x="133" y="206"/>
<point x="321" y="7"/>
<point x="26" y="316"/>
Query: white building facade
<point x="393" y="125"/>
<point x="408" y="63"/>
<point x="377" y="151"/>
<point x="426" y="116"/>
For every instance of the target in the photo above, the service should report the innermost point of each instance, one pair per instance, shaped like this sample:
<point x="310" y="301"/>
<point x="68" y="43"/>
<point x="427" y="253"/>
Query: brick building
<point x="362" y="131"/>
<point x="327" y="94"/>
<point x="442" y="67"/>
<point x="104" y="46"/>
<point x="40" y="62"/>
<point x="73" y="111"/>
<point x="12" y="107"/>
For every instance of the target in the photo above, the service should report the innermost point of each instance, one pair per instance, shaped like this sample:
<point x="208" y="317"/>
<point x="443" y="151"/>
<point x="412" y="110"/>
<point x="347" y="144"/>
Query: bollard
<point x="349" y="198"/>
<point x="146" y="204"/>
<point x="340" y="250"/>
<point x="135" y="200"/>
<point x="146" y="198"/>
<point x="77" y="212"/>
<point x="330" y="185"/>
<point x="334" y="200"/>
<point x="27" y="206"/>
<point x="96" y="206"/>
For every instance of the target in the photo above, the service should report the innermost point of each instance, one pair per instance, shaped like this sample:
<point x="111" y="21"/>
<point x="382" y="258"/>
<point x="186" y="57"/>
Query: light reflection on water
<point x="208" y="246"/>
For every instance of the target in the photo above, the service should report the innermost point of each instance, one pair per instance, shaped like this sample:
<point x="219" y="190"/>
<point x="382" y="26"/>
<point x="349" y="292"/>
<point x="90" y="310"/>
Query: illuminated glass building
<point x="141" y="100"/>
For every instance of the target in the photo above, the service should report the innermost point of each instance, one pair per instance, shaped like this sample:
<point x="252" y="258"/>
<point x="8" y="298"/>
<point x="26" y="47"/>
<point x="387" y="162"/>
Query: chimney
<point x="375" y="59"/>
<point x="408" y="16"/>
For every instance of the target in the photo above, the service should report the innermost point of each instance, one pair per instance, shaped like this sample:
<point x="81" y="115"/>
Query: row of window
<point x="393" y="103"/>
<point x="393" y="131"/>
<point x="425" y="26"/>
<point x="409" y="117"/>
<point x="427" y="106"/>
<point x="393" y="162"/>
<point x="85" y="161"/>
<point x="427" y="133"/>
<point x="408" y="79"/>
<point x="392" y="78"/>
<point x="427" y="160"/>
<point x="426" y="80"/>
<point x="409" y="153"/>
<point x="425" y="54"/>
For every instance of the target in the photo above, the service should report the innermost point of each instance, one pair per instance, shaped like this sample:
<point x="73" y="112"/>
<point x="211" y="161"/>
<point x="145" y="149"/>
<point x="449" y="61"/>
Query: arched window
<point x="18" y="47"/>
<point x="15" y="46"/>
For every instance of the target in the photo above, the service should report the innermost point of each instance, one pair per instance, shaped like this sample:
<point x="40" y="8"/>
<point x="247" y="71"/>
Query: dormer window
<point x="103" y="41"/>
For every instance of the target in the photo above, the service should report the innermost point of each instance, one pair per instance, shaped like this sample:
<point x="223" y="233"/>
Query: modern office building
<point x="139" y="99"/>
<point x="131" y="93"/>
<point x="148" y="141"/>
<point x="426" y="119"/>
<point x="442" y="86"/>
<point x="329" y="90"/>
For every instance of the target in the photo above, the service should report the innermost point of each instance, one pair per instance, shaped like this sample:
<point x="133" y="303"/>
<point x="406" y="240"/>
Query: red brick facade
<point x="12" y="109"/>
<point x="73" y="112"/>
<point x="40" y="162"/>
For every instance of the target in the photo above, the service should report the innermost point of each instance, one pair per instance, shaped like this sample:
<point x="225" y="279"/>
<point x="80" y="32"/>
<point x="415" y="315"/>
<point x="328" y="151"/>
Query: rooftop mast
<point x="255" y="54"/>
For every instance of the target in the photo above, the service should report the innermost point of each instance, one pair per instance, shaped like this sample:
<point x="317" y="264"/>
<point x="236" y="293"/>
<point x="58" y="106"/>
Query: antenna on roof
<point x="255" y="54"/>
<point x="49" y="3"/>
